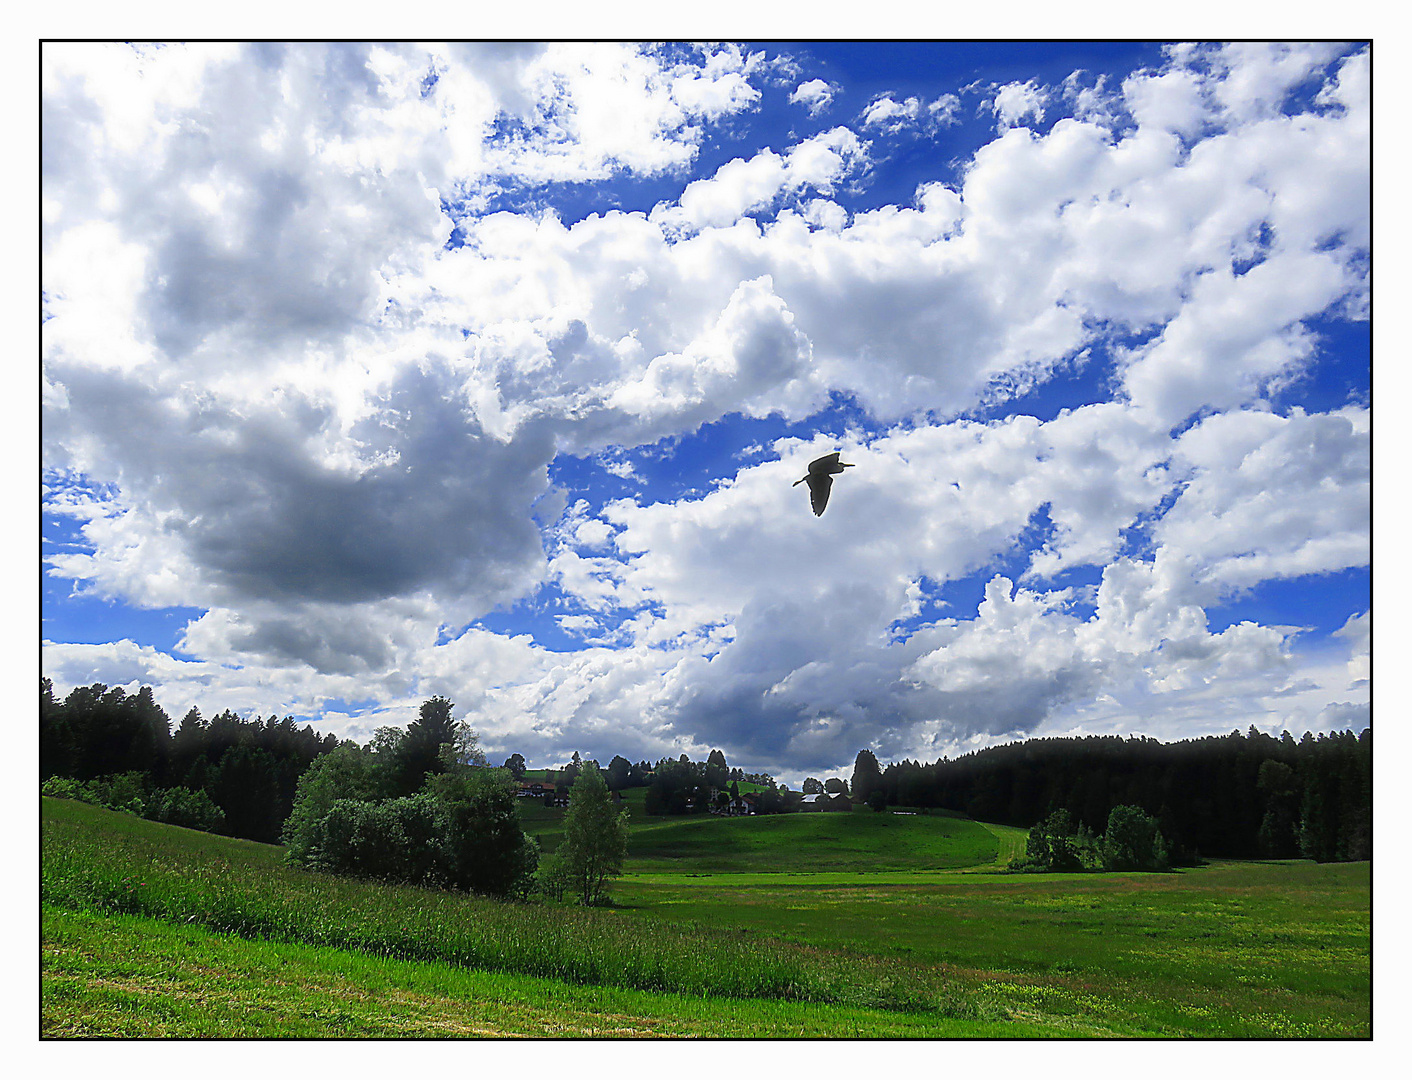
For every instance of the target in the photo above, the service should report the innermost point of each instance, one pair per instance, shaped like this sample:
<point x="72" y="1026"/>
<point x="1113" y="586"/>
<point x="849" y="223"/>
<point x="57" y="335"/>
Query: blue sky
<point x="485" y="370"/>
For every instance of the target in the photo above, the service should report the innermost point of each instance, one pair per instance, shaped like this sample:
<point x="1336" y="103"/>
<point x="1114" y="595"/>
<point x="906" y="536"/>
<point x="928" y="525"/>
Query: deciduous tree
<point x="595" y="837"/>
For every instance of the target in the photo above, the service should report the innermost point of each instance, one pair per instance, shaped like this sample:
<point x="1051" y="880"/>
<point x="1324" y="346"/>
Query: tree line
<point x="417" y="805"/>
<point x="1229" y="796"/>
<point x="224" y="774"/>
<point x="1233" y="796"/>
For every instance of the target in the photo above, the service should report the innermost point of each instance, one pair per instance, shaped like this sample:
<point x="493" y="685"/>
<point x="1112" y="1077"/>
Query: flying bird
<point x="820" y="479"/>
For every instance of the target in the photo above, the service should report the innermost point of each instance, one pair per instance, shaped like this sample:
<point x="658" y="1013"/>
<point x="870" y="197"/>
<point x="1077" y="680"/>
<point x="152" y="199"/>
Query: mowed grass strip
<point x="126" y="976"/>
<point x="97" y="860"/>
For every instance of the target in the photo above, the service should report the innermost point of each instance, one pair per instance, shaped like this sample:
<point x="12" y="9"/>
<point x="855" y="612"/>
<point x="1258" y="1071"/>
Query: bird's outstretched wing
<point x="825" y="465"/>
<point x="819" y="485"/>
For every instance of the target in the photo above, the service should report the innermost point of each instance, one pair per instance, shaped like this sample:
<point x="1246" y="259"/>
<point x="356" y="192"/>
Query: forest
<point x="1230" y="796"/>
<point x="1227" y="796"/>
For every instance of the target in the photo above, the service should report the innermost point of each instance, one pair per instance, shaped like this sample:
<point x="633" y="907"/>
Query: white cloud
<point x="815" y="95"/>
<point x="306" y="415"/>
<point x="893" y="116"/>
<point x="741" y="185"/>
<point x="1015" y="102"/>
<point x="1297" y="500"/>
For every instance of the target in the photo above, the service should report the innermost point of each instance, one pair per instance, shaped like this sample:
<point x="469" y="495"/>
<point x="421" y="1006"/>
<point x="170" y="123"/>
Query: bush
<point x="553" y="877"/>
<point x="487" y="850"/>
<point x="1132" y="841"/>
<point x="345" y="772"/>
<point x="66" y="787"/>
<point x="187" y="808"/>
<point x="396" y="840"/>
<point x="462" y="832"/>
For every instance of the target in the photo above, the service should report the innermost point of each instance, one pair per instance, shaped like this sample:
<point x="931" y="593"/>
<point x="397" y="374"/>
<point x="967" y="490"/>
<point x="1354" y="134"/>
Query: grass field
<point x="1250" y="950"/>
<point x="152" y="930"/>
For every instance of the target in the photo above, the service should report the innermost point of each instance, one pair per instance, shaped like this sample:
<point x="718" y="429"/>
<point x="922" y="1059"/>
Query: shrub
<point x="553" y="877"/>
<point x="1132" y="841"/>
<point x="66" y="787"/>
<point x="487" y="850"/>
<point x="462" y="832"/>
<point x="345" y="772"/>
<point x="187" y="808"/>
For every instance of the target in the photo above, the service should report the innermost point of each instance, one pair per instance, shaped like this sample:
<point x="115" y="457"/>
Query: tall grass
<point x="95" y="860"/>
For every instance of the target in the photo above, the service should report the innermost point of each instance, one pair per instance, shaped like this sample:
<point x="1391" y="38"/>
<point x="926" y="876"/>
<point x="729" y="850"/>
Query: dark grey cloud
<point x="256" y="508"/>
<point x="452" y="510"/>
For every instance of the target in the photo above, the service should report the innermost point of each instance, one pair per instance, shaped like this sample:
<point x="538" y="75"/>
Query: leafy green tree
<point x="1132" y="841"/>
<point x="1051" y="843"/>
<point x="347" y="772"/>
<point x="836" y="786"/>
<point x="595" y="837"/>
<point x="813" y="786"/>
<point x="515" y="764"/>
<point x="487" y="850"/>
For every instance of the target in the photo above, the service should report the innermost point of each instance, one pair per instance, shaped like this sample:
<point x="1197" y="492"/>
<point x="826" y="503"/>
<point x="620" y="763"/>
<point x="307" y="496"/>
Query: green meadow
<point x="807" y="925"/>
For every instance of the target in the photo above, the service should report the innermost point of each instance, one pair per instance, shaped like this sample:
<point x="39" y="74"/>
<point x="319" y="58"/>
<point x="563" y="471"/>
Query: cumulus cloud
<point x="1015" y="102"/>
<point x="892" y="116"/>
<point x="299" y="376"/>
<point x="816" y="95"/>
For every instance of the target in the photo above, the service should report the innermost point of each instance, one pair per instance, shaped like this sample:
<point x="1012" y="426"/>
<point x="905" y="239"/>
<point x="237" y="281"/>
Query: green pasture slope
<point x="150" y="930"/>
<point x="859" y="842"/>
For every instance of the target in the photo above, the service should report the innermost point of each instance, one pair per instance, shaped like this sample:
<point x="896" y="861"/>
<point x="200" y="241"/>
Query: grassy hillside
<point x="154" y="930"/>
<point x="98" y="861"/>
<point x="859" y="842"/>
<point x="132" y="977"/>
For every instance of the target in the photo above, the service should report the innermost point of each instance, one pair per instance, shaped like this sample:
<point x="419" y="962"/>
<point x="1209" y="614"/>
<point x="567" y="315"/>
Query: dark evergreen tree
<point x="1279" y="827"/>
<point x="867" y="777"/>
<point x="420" y="753"/>
<point x="619" y="774"/>
<point x="717" y="771"/>
<point x="246" y="788"/>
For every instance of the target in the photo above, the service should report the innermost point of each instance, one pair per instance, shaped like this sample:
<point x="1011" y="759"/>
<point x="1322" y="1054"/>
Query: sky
<point x="374" y="372"/>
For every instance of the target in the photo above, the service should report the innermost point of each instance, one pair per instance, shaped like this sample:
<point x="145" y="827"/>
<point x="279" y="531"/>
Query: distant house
<point x="739" y="807"/>
<point x="534" y="789"/>
<point x="825" y="803"/>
